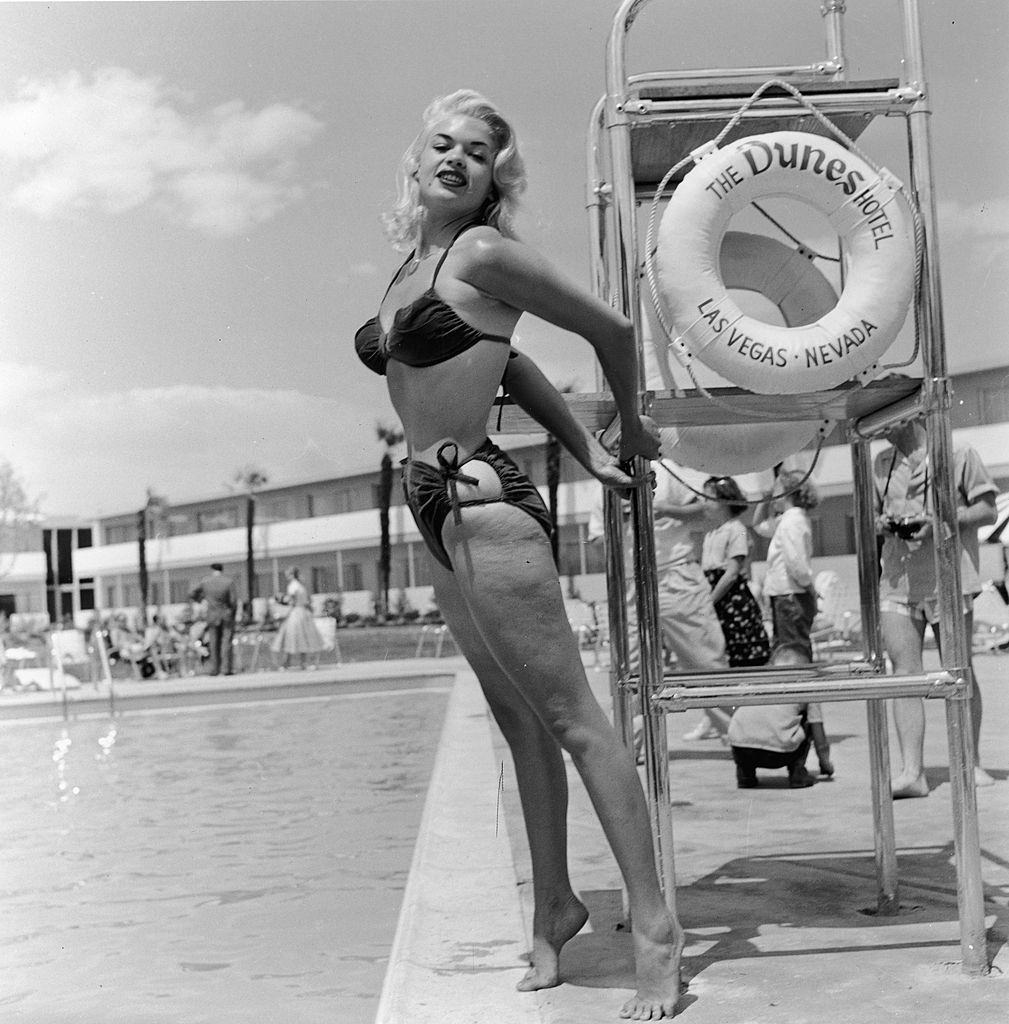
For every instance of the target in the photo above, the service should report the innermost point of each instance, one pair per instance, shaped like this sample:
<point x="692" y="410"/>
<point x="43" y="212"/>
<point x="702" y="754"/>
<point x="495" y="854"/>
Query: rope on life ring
<point x="866" y="208"/>
<point x="788" y="278"/>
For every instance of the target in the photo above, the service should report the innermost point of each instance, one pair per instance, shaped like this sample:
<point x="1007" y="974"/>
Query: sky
<point x="190" y="201"/>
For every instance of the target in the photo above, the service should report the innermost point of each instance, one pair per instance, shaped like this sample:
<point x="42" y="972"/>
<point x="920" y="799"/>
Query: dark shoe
<point x="746" y="783"/>
<point x="800" y="779"/>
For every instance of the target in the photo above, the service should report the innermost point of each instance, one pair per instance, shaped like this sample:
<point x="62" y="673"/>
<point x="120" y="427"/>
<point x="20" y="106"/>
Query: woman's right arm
<point x="764" y="520"/>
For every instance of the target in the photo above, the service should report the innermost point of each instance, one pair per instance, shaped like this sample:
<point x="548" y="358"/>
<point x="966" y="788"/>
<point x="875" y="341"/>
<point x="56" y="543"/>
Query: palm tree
<point x="153" y="514"/>
<point x="390" y="436"/>
<point x="19" y="518"/>
<point x="250" y="479"/>
<point x="553" y="465"/>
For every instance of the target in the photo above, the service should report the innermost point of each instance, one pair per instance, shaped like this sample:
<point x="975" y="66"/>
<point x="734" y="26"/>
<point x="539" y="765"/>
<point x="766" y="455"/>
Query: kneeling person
<point x="778" y="735"/>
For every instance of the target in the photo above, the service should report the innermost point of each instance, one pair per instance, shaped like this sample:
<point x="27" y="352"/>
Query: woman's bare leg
<point x="558" y="914"/>
<point x="506" y="575"/>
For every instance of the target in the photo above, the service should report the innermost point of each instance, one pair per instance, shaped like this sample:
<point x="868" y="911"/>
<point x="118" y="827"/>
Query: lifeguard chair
<point x="645" y="135"/>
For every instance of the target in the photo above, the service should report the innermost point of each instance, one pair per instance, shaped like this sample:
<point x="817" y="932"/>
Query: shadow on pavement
<point x="790" y="905"/>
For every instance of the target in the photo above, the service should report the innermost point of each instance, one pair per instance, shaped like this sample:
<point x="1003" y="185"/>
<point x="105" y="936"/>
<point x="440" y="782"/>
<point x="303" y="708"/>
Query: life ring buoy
<point x="789" y="279"/>
<point x="866" y="209"/>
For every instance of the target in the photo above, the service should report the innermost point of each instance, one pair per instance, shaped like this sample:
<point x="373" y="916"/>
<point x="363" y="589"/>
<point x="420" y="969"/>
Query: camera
<point x="905" y="528"/>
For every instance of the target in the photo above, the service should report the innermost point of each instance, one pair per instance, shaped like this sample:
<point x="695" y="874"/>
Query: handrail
<point x="933" y="685"/>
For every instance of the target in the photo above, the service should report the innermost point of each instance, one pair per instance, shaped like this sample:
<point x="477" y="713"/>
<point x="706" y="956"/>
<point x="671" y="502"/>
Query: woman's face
<point x="455" y="173"/>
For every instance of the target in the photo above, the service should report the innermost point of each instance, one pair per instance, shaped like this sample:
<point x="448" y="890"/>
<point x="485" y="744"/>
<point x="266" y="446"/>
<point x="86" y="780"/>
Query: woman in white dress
<point x="298" y="634"/>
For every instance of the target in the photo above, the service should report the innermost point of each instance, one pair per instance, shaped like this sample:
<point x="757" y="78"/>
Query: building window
<point x="423" y="575"/>
<point x="180" y="524"/>
<point x="64" y="549"/>
<point x="569" y="551"/>
<point x="84" y="537"/>
<point x="595" y="554"/>
<point x="120" y="534"/>
<point x="324" y="579"/>
<point x="994" y="405"/>
<point x="178" y="591"/>
<point x="353" y="577"/>
<point x="274" y="511"/>
<point x="216" y="519"/>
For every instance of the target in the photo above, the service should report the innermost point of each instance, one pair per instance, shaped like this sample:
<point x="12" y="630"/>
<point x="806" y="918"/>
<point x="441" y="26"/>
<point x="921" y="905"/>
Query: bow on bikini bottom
<point x="433" y="492"/>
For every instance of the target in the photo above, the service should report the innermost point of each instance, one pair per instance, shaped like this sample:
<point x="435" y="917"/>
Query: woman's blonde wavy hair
<point x="403" y="221"/>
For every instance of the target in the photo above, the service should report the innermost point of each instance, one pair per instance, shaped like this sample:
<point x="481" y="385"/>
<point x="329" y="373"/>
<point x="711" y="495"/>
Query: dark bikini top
<point x="425" y="332"/>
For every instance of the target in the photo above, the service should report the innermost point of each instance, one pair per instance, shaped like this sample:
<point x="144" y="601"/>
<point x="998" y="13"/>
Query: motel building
<point x="330" y="530"/>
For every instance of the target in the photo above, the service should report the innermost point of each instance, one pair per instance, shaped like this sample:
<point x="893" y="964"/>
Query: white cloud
<point x="119" y="140"/>
<point x="984" y="217"/>
<point x="981" y="227"/>
<point x="87" y="452"/>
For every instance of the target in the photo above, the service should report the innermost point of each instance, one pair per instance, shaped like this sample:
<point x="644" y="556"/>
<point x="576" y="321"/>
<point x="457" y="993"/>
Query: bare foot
<point x="560" y="921"/>
<point x="906" y="787"/>
<point x="982" y="778"/>
<point x="657" y="955"/>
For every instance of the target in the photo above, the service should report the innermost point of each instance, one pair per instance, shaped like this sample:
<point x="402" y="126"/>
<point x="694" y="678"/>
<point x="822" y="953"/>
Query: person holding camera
<point x="907" y="586"/>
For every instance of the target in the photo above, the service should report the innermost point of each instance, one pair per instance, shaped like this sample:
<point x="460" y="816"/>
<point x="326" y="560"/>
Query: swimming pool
<point x="237" y="864"/>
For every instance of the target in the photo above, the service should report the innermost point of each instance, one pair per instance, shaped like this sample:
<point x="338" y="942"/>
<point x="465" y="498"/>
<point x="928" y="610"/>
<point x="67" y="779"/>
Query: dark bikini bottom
<point x="432" y="492"/>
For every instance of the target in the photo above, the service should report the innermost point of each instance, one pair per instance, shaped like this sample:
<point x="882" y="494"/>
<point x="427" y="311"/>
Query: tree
<point x="390" y="436"/>
<point x="152" y="516"/>
<point x="19" y="518"/>
<point x="250" y="479"/>
<point x="553" y="464"/>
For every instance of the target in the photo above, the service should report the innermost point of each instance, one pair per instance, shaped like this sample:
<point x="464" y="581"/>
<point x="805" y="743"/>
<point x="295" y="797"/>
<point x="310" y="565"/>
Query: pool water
<point x="243" y="864"/>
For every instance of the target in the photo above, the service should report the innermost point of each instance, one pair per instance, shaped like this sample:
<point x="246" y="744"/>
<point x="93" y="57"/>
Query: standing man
<point x="907" y="585"/>
<point x="218" y="591"/>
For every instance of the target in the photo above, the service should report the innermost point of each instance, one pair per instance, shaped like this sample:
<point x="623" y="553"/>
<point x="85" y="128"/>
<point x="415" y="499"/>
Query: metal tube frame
<point x="933" y="685"/>
<point x="626" y="293"/>
<point x="884" y="834"/>
<point x="954" y="642"/>
<point x="620" y="247"/>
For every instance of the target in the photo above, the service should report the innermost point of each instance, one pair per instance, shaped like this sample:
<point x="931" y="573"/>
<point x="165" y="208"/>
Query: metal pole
<point x="625" y="231"/>
<point x="616" y="588"/>
<point x="833" y="23"/>
<point x="884" y="837"/>
<point x="954" y="640"/>
<point x="597" y="202"/>
<point x="103" y="659"/>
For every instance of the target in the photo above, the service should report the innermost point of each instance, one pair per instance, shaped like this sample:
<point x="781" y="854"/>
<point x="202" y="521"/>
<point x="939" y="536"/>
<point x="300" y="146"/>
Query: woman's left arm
<point x="518" y="276"/>
<point x="531" y="390"/>
<point x="733" y="568"/>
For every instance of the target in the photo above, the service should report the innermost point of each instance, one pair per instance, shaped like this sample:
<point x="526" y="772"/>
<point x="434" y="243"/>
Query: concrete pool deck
<point x="125" y="695"/>
<point x="775" y="887"/>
